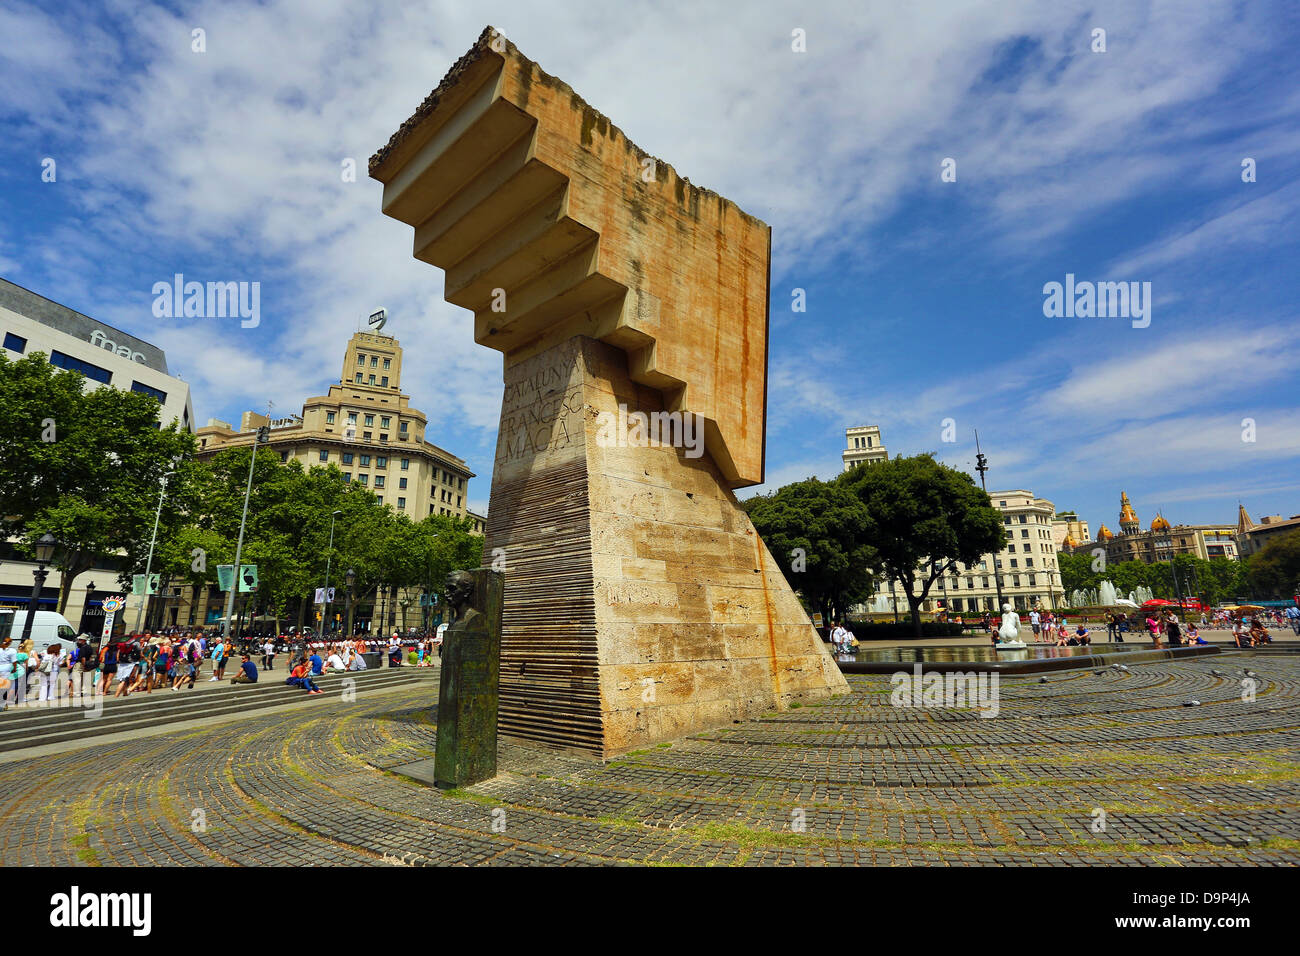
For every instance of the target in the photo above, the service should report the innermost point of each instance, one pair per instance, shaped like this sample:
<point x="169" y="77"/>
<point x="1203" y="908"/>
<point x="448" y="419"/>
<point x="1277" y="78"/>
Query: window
<point x="381" y="461"/>
<point x="1024" y="547"/>
<point x="401" y="502"/>
<point x="1007" y="520"/>
<point x="379" y="481"/>
<point x="1029" y="562"/>
<point x="379" y="498"/>
<point x="366" y="436"/>
<point x="324" y="455"/>
<point x="406" y="463"/>
<point x="401" y="427"/>
<point x="384" y="421"/>
<point x="1002" y="504"/>
<point x="372" y="379"/>
<point x="1024" y="533"/>
<point x="462" y="484"/>
<point x="329" y="418"/>
<point x="347" y="476"/>
<point x="401" y="482"/>
<point x="63" y="360"/>
<point x="383" y="380"/>
<point x="361" y="359"/>
<point x="363" y="479"/>
<point x="374" y="361"/>
<point x="388" y="363"/>
<point x="1013" y="563"/>
<point x="284" y="456"/>
<point x="1024" y="519"/>
<point x="986" y="582"/>
<point x="370" y="421"/>
<point x="15" y="343"/>
<point x="365" y="461"/>
<point x="347" y="458"/>
<point x="358" y="378"/>
<point x="1031" y="581"/>
<point x="150" y="390"/>
<point x="352" y="418"/>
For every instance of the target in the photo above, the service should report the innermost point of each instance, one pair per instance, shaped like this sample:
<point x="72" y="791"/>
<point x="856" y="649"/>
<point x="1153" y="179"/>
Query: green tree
<point x="817" y="530"/>
<point x="82" y="466"/>
<point x="922" y="519"/>
<point x="1076" y="572"/>
<point x="1274" y="570"/>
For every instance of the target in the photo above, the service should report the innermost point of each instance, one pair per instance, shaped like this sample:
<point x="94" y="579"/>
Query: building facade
<point x="1251" y="536"/>
<point x="1067" y="526"/>
<point x="366" y="426"/>
<point x="1162" y="541"/>
<point x="1027" y="567"/>
<point x="863" y="446"/>
<point x="31" y="323"/>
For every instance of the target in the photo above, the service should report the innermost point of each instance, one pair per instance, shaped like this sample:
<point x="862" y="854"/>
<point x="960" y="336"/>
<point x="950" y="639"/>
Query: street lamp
<point x="329" y="555"/>
<point x="982" y="465"/>
<point x="45" y="548"/>
<point x="148" y="565"/>
<point x="262" y="436"/>
<point x="351" y="578"/>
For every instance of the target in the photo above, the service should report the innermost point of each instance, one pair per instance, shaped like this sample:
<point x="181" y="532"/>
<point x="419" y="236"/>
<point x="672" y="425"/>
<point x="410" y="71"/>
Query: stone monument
<point x="631" y="310"/>
<point x="468" y="684"/>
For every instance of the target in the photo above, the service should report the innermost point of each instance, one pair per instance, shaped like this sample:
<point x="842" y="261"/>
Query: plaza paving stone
<point x="846" y="781"/>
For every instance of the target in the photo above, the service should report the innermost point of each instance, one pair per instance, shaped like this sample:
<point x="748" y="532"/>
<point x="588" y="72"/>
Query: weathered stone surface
<point x="641" y="603"/>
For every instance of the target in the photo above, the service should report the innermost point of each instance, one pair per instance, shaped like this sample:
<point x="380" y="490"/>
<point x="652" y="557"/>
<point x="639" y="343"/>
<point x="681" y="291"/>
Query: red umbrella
<point x="1159" y="602"/>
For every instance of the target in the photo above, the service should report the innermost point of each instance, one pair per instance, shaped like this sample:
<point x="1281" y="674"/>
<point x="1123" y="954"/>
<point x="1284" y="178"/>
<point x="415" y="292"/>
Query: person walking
<point x="49" y="672"/>
<point x="15" y="692"/>
<point x="107" y="666"/>
<point x="268" y="655"/>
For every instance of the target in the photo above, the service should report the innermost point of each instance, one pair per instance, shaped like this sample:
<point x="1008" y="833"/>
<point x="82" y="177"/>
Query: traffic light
<point x="264" y="434"/>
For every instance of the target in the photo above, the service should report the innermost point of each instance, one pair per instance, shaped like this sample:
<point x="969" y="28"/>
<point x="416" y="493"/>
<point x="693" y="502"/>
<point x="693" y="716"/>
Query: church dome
<point x="1159" y="524"/>
<point x="1069" y="542"/>
<point x="1105" y="534"/>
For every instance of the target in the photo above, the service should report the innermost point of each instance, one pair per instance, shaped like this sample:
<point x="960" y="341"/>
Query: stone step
<point x="34" y="727"/>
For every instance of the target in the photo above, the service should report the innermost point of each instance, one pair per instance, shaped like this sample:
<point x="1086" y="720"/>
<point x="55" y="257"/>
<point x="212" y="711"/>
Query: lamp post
<point x="329" y="555"/>
<point x="982" y="465"/>
<point x="148" y="565"/>
<point x="263" y="434"/>
<point x="44" y="555"/>
<point x="351" y="578"/>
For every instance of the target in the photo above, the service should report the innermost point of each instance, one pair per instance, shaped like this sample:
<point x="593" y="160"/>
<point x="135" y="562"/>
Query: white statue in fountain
<point x="1009" y="632"/>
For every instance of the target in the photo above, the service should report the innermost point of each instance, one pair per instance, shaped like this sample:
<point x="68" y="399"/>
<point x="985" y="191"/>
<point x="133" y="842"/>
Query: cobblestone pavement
<point x="851" y="780"/>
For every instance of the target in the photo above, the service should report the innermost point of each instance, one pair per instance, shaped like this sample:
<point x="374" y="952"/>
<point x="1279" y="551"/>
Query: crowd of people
<point x="174" y="660"/>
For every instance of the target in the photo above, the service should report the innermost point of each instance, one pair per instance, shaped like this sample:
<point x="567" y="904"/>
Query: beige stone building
<point x="1252" y="536"/>
<point x="365" y="426"/>
<point x="1068" y="528"/>
<point x="1027" y="566"/>
<point x="863" y="446"/>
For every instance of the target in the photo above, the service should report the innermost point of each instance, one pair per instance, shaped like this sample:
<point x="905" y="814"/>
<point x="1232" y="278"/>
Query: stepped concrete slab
<point x="640" y="602"/>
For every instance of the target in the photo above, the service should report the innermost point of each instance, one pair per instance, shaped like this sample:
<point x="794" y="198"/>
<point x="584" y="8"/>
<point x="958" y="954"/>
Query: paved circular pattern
<point x="1116" y="768"/>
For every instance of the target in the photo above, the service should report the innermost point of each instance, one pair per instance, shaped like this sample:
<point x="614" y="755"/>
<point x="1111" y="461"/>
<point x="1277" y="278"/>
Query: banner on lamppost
<point x="247" y="577"/>
<point x="324" y="596"/>
<point x="226" y="577"/>
<point x="141" y="585"/>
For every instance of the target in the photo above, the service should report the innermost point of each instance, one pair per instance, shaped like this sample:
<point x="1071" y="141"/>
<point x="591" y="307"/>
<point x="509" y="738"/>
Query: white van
<point x="47" y="628"/>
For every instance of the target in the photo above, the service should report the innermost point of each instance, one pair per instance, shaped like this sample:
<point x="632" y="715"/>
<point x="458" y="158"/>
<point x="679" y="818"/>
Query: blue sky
<point x="925" y="298"/>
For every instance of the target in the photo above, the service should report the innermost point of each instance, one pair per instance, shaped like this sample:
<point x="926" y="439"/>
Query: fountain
<point x="1106" y="593"/>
